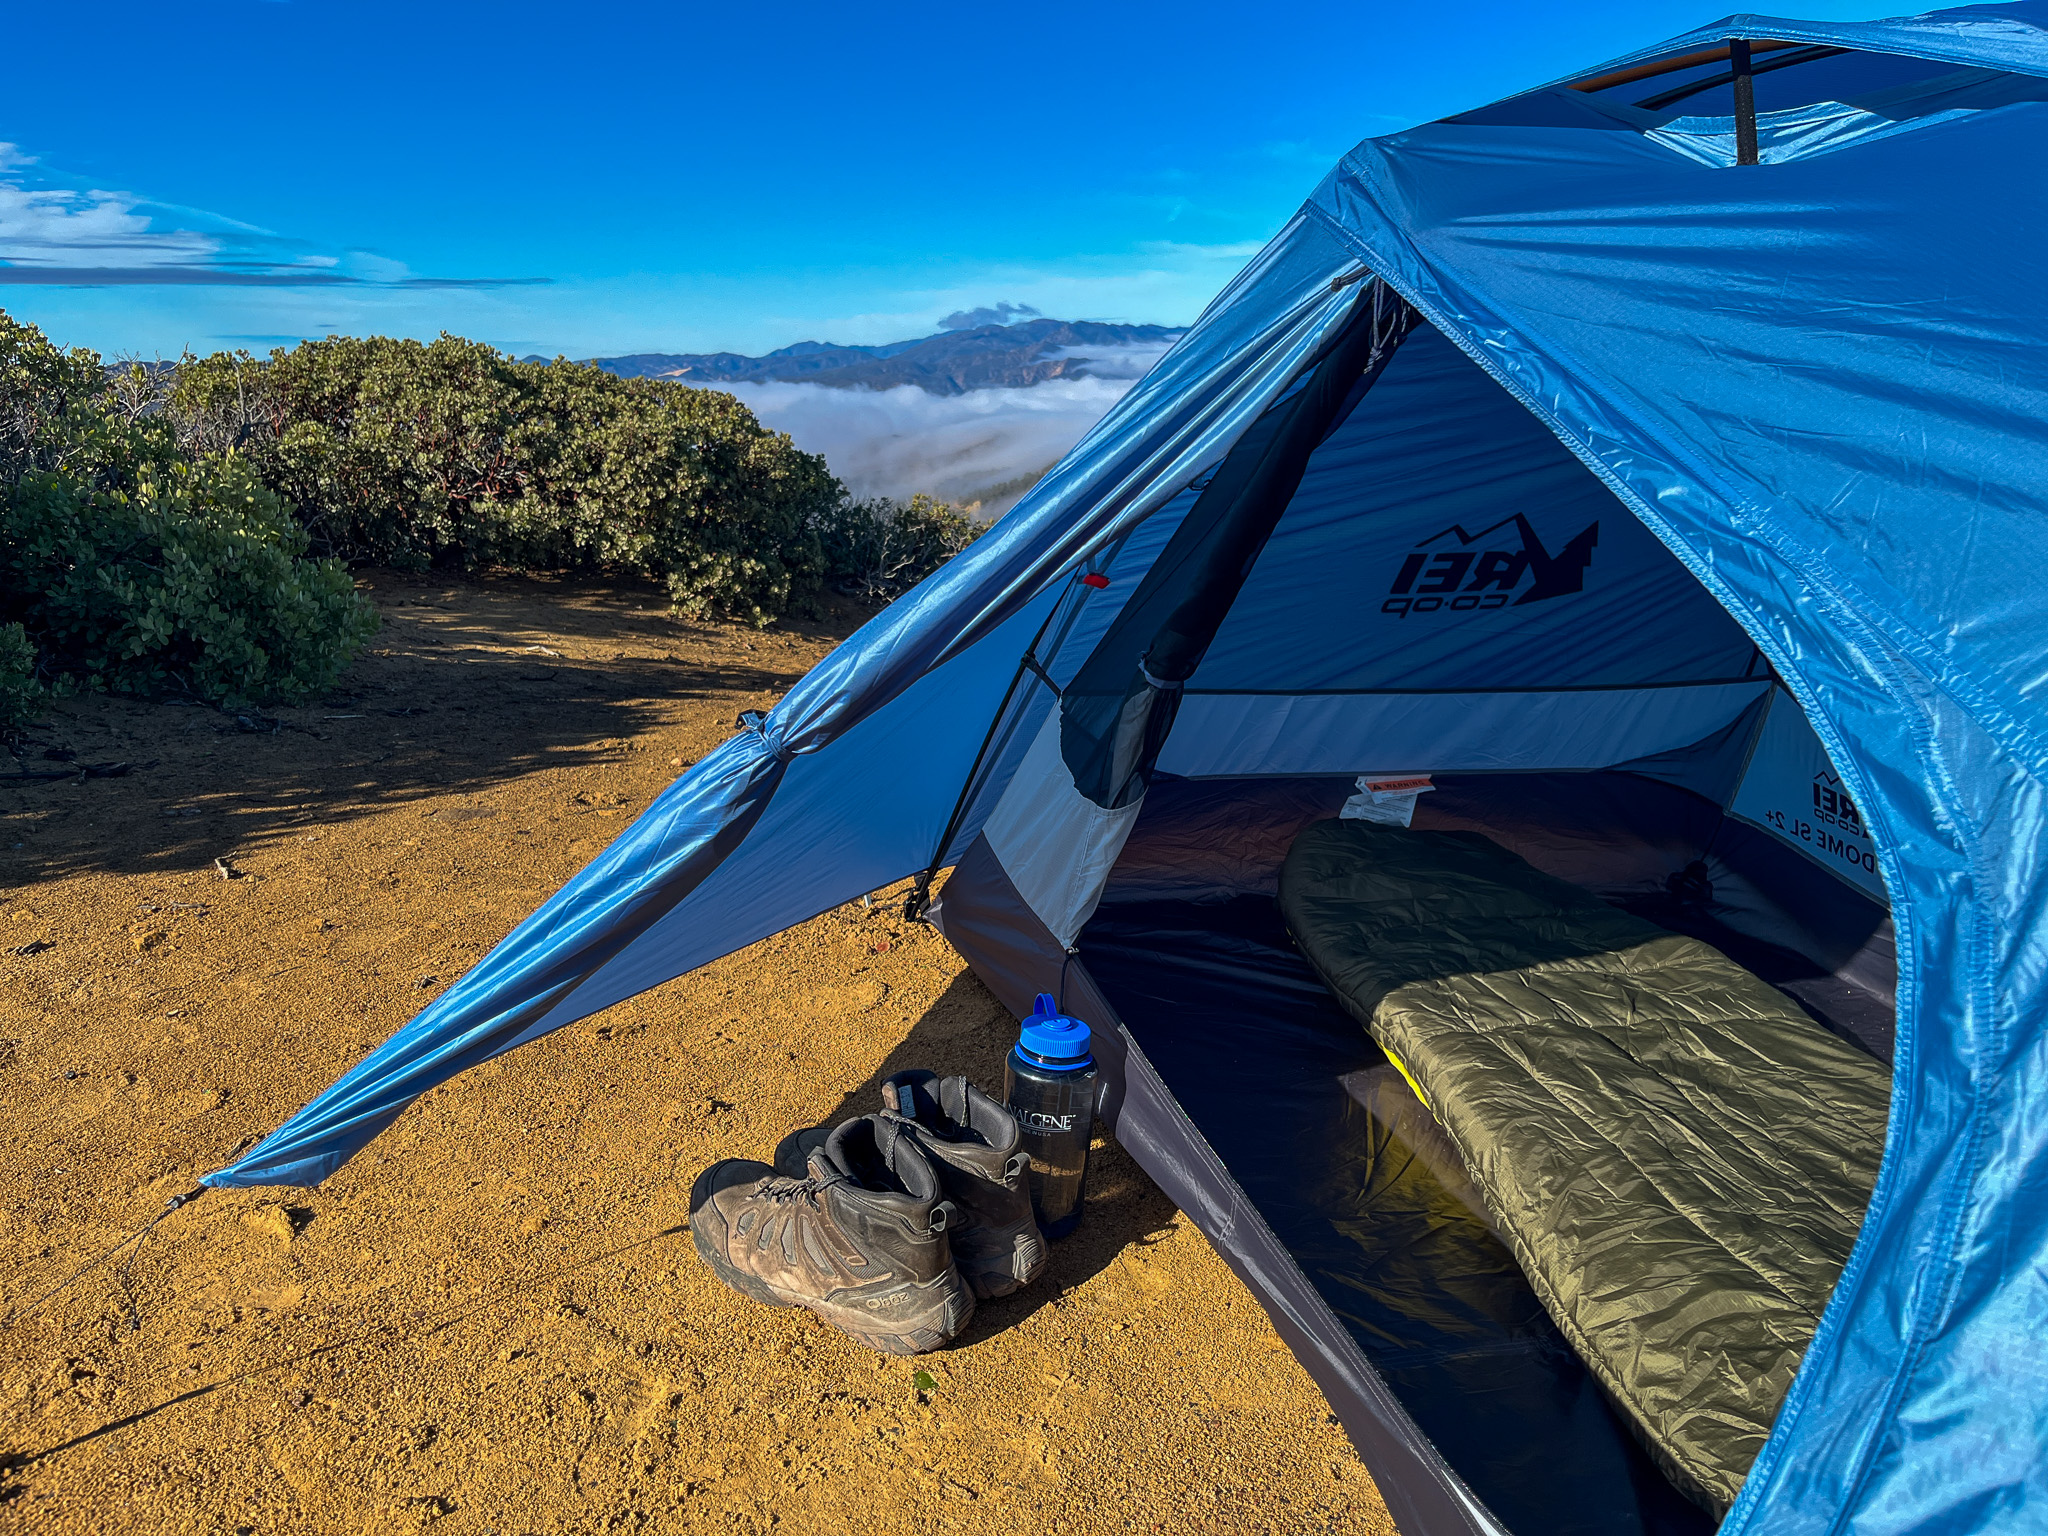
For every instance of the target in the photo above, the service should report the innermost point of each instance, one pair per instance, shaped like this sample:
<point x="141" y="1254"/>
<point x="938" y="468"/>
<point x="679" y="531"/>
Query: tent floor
<point x="1190" y="949"/>
<point x="1256" y="1051"/>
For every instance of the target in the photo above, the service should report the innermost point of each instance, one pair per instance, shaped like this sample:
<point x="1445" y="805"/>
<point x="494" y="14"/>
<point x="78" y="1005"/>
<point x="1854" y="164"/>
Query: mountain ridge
<point x="949" y="363"/>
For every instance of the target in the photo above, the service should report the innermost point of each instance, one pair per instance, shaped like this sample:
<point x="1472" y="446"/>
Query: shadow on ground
<point x="468" y="685"/>
<point x="967" y="1031"/>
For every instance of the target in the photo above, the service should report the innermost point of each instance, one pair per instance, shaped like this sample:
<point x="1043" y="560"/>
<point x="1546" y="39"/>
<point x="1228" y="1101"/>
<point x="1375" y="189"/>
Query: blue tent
<point x="1656" y="459"/>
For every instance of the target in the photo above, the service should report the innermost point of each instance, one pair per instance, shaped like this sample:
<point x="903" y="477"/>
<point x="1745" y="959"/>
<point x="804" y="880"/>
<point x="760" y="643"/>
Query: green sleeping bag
<point x="1677" y="1155"/>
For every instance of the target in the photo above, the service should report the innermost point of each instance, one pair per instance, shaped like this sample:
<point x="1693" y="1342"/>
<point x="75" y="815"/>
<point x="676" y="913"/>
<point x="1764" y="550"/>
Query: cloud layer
<point x="961" y="448"/>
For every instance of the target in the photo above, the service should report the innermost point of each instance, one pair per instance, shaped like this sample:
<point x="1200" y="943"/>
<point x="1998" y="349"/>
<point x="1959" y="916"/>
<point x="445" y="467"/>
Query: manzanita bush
<point x="188" y="527"/>
<point x="128" y="565"/>
<point x="451" y="455"/>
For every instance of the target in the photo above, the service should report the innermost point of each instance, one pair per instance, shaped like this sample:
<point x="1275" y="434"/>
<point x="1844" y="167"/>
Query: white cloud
<point x="53" y="226"/>
<point x="986" y="314"/>
<point x="132" y="275"/>
<point x="1127" y="363"/>
<point x="55" y="231"/>
<point x="895" y="442"/>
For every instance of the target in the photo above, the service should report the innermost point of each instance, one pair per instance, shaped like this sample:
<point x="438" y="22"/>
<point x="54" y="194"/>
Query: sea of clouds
<point x="977" y="447"/>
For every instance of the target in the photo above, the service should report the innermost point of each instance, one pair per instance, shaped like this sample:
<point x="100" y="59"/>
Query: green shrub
<point x="190" y="579"/>
<point x="876" y="549"/>
<point x="157" y="521"/>
<point x="384" y="449"/>
<point x="132" y="567"/>
<point x="452" y="455"/>
<point x="50" y="403"/>
<point x="21" y="696"/>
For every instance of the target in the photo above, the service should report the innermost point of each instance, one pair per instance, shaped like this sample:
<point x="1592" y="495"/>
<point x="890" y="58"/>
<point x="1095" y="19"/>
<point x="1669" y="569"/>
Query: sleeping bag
<point x="1677" y="1155"/>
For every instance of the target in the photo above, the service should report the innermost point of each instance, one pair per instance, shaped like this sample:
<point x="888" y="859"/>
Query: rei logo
<point x="1458" y="572"/>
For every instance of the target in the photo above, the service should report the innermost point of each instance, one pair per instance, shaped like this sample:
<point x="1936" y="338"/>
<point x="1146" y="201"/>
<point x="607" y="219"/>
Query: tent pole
<point x="1745" y="101"/>
<point x="1664" y="99"/>
<point x="1672" y="66"/>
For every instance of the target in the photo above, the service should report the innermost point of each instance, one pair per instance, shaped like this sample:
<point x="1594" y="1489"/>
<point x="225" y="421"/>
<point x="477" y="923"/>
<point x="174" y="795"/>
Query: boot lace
<point x="786" y="1190"/>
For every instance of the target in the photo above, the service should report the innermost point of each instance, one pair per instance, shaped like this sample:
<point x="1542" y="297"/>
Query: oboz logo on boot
<point x="1459" y="572"/>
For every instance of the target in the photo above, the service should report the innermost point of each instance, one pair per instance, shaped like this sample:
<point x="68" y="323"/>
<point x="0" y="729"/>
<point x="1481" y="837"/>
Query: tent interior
<point x="1448" y="592"/>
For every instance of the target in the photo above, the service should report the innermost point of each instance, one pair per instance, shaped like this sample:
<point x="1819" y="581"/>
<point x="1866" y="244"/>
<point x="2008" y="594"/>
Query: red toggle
<point x="1096" y="580"/>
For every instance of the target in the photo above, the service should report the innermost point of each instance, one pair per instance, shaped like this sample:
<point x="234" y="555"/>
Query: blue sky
<point x="607" y="178"/>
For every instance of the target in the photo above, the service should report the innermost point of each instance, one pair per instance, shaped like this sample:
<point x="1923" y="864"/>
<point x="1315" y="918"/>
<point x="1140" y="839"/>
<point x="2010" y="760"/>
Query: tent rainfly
<point x="1654" y="460"/>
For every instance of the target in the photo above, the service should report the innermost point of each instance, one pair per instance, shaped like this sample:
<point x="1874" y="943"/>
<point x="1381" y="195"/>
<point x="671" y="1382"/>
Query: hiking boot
<point x="976" y="1147"/>
<point x="859" y="1238"/>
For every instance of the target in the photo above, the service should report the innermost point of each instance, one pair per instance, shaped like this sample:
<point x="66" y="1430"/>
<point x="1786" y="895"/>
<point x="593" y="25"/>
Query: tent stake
<point x="1745" y="101"/>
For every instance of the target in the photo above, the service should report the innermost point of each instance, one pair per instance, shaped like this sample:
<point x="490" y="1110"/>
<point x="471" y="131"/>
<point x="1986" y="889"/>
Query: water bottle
<point x="1049" y="1085"/>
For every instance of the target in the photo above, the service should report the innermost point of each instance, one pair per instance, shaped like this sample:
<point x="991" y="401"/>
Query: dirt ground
<point x="492" y="1320"/>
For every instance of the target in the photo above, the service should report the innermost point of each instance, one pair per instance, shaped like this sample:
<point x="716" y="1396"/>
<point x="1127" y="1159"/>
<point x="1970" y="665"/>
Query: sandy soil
<point x="492" y="1321"/>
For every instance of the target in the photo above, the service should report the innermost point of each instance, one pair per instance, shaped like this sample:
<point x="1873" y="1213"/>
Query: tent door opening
<point x="1449" y="592"/>
<point x="1189" y="949"/>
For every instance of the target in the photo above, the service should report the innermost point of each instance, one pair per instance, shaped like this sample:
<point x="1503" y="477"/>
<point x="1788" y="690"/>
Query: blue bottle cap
<point x="1052" y="1039"/>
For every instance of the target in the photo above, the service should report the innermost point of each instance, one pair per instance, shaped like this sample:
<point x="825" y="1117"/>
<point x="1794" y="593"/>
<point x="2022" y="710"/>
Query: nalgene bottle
<point x="1049" y="1084"/>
